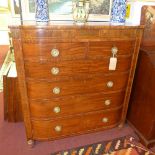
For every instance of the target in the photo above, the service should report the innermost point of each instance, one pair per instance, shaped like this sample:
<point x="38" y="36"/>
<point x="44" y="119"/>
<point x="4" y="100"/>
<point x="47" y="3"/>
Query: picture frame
<point x="100" y="12"/>
<point x="15" y="8"/>
<point x="62" y="10"/>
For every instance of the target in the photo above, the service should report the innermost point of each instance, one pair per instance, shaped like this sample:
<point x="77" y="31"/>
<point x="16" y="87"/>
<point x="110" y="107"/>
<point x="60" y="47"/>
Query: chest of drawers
<point x="65" y="81"/>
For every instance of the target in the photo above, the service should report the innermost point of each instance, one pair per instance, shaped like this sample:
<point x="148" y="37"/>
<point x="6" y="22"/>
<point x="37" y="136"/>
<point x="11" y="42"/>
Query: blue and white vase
<point x="118" y="12"/>
<point x="42" y="13"/>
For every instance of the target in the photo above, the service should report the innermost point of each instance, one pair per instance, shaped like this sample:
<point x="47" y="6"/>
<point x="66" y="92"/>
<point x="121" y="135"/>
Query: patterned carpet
<point x="122" y="146"/>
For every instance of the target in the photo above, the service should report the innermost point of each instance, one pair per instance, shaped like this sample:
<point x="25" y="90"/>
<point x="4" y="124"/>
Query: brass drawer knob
<point x="55" y="70"/>
<point x="56" y="90"/>
<point x="110" y="84"/>
<point x="105" y="120"/>
<point x="56" y="109"/>
<point x="107" y="102"/>
<point x="114" y="50"/>
<point x="58" y="128"/>
<point x="55" y="52"/>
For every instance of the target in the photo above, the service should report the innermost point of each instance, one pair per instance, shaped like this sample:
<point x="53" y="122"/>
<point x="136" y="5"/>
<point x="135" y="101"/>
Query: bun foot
<point x="30" y="143"/>
<point x="120" y="126"/>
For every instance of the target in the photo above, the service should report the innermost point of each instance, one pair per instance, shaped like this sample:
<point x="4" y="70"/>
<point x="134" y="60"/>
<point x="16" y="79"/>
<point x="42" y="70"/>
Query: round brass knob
<point x="58" y="128"/>
<point x="55" y="52"/>
<point x="114" y="50"/>
<point x="56" y="109"/>
<point x="55" y="70"/>
<point x="105" y="120"/>
<point x="107" y="102"/>
<point x="110" y="84"/>
<point x="56" y="90"/>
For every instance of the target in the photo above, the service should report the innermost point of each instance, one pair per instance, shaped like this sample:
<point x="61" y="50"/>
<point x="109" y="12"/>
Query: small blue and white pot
<point x="118" y="12"/>
<point x="42" y="13"/>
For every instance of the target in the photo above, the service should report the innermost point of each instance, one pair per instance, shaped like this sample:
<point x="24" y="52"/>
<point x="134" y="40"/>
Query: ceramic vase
<point x="80" y="11"/>
<point x="42" y="13"/>
<point x="118" y="12"/>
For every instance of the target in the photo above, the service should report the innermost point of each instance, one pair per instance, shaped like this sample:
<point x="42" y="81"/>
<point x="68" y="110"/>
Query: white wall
<point x="4" y="39"/>
<point x="135" y="12"/>
<point x="5" y="19"/>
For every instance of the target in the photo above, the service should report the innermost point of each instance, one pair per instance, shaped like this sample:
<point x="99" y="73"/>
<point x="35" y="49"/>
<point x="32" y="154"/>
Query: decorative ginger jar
<point x="42" y="13"/>
<point x="118" y="12"/>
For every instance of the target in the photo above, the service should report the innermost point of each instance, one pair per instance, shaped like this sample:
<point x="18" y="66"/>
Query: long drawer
<point x="71" y="105"/>
<point x="106" y="83"/>
<point x="50" y="129"/>
<point x="74" y="51"/>
<point x="68" y="33"/>
<point x="48" y="70"/>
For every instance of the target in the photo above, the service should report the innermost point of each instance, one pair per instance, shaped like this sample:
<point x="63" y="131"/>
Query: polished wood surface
<point x="76" y="124"/>
<point x="73" y="99"/>
<point x="75" y="51"/>
<point x="142" y="98"/>
<point x="75" y="104"/>
<point x="142" y="107"/>
<point x="148" y="19"/>
<point x="36" y="89"/>
<point x="75" y="68"/>
<point x="12" y="100"/>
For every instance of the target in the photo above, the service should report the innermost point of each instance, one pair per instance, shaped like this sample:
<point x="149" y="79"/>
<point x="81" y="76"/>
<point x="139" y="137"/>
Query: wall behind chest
<point x="135" y="9"/>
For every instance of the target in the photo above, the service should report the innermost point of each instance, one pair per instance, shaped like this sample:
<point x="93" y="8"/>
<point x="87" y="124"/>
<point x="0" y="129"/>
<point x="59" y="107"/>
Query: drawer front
<point x="44" y="52"/>
<point x="45" y="89"/>
<point x="48" y="34"/>
<point x="45" y="129"/>
<point x="70" y="105"/>
<point x="98" y="50"/>
<point x="74" y="68"/>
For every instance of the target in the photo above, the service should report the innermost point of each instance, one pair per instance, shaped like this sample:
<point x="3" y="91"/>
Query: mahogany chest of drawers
<point x="65" y="81"/>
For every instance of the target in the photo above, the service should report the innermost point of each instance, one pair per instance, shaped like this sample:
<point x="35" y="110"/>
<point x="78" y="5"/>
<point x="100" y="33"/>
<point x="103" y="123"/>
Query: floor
<point x="12" y="137"/>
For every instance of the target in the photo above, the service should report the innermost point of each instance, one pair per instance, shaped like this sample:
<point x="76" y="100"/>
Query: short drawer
<point x="67" y="126"/>
<point x="50" y="70"/>
<point x="105" y="83"/>
<point x="54" y="51"/>
<point x="98" y="50"/>
<point x="71" y="105"/>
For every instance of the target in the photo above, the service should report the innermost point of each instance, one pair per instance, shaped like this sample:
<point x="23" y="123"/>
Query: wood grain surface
<point x="142" y="96"/>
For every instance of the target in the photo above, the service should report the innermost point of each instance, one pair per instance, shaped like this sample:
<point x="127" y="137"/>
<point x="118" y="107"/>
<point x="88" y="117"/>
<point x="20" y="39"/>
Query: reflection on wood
<point x="148" y="19"/>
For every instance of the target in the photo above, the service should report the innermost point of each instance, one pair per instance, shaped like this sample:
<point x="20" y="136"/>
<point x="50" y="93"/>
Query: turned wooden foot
<point x="121" y="125"/>
<point x="30" y="143"/>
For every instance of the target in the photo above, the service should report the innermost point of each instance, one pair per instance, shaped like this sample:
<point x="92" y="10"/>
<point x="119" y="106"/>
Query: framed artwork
<point x="14" y="6"/>
<point x="100" y="10"/>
